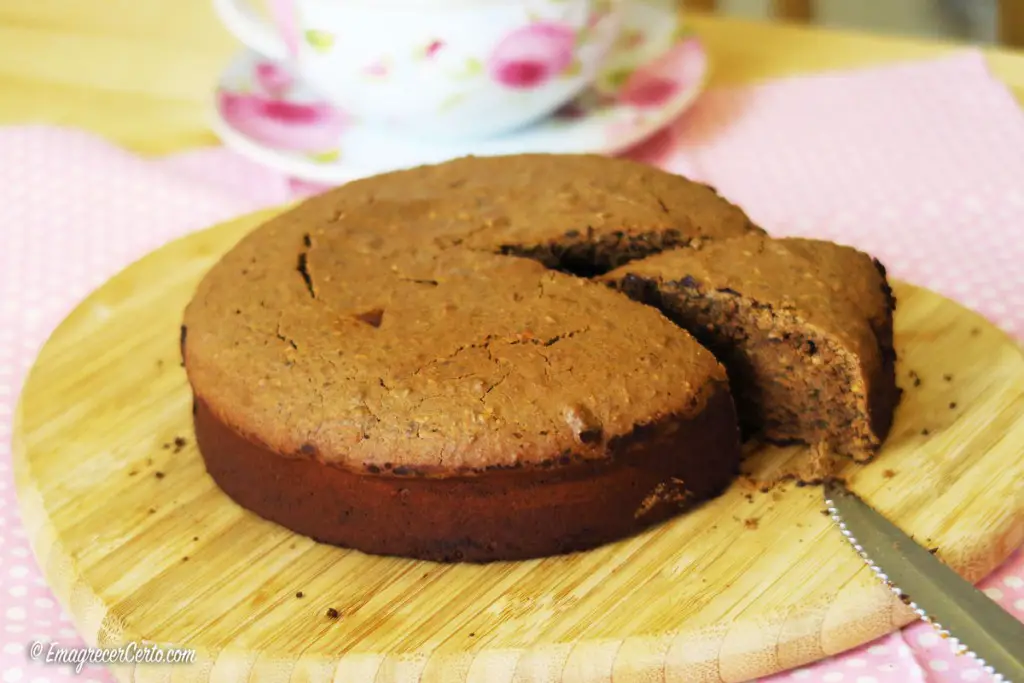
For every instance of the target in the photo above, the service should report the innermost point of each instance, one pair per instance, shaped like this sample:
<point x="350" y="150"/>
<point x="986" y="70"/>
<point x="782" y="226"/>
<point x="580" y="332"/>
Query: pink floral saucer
<point x="268" y="115"/>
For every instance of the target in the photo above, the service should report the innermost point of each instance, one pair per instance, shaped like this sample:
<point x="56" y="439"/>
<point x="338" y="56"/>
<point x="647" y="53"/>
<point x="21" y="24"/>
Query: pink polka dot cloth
<point x="920" y="164"/>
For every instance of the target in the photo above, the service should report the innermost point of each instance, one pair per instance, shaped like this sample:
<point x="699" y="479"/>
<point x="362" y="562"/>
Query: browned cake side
<point x="804" y="328"/>
<point x="365" y="377"/>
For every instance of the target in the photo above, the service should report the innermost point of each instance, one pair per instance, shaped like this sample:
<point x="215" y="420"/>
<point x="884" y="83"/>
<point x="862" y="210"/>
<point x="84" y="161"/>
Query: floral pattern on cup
<point x="272" y="79"/>
<point x="285" y="16"/>
<point x="321" y="41"/>
<point x="378" y="69"/>
<point x="658" y="82"/>
<point x="532" y="55"/>
<point x="430" y="50"/>
<point x="270" y="118"/>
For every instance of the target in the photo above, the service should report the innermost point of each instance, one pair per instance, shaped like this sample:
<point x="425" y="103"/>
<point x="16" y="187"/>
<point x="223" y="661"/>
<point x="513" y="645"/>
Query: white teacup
<point x="451" y="68"/>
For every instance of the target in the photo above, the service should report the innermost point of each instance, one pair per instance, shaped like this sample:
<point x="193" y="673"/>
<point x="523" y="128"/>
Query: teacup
<point x="449" y="68"/>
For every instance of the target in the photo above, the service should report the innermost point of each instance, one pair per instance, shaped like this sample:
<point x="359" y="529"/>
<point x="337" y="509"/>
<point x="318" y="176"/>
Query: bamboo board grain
<point x="139" y="544"/>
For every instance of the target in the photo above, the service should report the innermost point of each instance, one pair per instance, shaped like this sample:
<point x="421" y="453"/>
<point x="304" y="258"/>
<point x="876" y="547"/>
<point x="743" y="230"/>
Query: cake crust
<point x="653" y="473"/>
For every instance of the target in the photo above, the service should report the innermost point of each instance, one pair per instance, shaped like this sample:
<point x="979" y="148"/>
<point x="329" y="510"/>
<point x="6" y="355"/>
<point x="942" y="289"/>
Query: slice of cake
<point x="804" y="328"/>
<point x="361" y="387"/>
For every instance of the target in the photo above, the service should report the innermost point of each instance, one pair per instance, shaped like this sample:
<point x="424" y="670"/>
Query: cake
<point x="444" y="403"/>
<point x="804" y="328"/>
<point x="480" y="360"/>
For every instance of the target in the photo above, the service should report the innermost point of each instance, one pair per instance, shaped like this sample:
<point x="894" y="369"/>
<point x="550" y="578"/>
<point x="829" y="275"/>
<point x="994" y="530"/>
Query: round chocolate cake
<point x="438" y="363"/>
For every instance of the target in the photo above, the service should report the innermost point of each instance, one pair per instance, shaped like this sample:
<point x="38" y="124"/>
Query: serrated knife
<point x="973" y="622"/>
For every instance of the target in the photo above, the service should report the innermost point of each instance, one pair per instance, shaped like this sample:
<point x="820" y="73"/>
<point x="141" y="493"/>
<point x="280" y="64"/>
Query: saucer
<point x="265" y="112"/>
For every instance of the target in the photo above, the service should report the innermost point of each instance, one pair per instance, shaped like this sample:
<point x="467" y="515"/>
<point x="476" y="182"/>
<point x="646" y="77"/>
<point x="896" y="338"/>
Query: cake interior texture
<point x="804" y="329"/>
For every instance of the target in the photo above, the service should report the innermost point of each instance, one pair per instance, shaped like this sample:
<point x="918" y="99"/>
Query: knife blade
<point x="973" y="622"/>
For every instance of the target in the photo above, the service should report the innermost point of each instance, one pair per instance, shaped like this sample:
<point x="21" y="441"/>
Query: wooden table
<point x="139" y="71"/>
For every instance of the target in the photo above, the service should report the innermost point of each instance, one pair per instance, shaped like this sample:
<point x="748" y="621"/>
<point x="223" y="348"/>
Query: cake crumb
<point x="195" y="538"/>
<point x="472" y="634"/>
<point x="915" y="378"/>
<point x="825" y="512"/>
<point x="333" y="613"/>
<point x="750" y="522"/>
<point x="152" y="511"/>
<point x="166" y="446"/>
<point x="747" y="482"/>
<point x="185" y="558"/>
<point x="159" y="475"/>
<point x="889" y="474"/>
<point x="948" y="377"/>
<point x="159" y="362"/>
<point x="975" y="331"/>
<point x="952" y="405"/>
<point x="300" y="594"/>
<point x="133" y="473"/>
<point x="933" y="550"/>
<point x="179" y="443"/>
<point x="925" y="432"/>
<point x="749" y="497"/>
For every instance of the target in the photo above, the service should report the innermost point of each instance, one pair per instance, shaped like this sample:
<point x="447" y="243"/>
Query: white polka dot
<point x="14" y="628"/>
<point x="928" y="639"/>
<point x="856" y="663"/>
<point x="1019" y="604"/>
<point x="878" y="650"/>
<point x="833" y="677"/>
<point x="15" y="613"/>
<point x="801" y="674"/>
<point x="13" y="649"/>
<point x="17" y="591"/>
<point x="19" y="551"/>
<point x="43" y="603"/>
<point x="18" y="571"/>
<point x="994" y="593"/>
<point x="1013" y="582"/>
<point x="938" y="665"/>
<point x="970" y="675"/>
<point x="866" y="679"/>
<point x="12" y="675"/>
<point x="41" y="680"/>
<point x="68" y="632"/>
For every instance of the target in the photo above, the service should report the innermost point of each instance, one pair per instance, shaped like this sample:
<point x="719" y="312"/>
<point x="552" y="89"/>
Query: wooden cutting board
<point x="139" y="544"/>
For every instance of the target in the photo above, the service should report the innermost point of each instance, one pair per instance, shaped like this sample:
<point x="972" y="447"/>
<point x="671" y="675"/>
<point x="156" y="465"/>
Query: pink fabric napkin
<point x="920" y="164"/>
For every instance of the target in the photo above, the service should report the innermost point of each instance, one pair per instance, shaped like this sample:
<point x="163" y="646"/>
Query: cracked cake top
<point x="372" y="336"/>
<point x="584" y="214"/>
